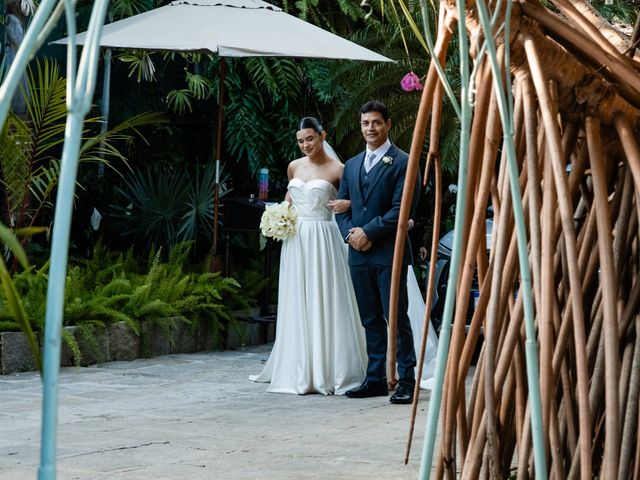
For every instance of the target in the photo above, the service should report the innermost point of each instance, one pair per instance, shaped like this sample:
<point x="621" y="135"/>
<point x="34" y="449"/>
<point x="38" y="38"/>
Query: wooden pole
<point x="549" y="117"/>
<point x="434" y="155"/>
<point x="419" y="132"/>
<point x="609" y="289"/>
<point x="476" y="234"/>
<point x="216" y="188"/>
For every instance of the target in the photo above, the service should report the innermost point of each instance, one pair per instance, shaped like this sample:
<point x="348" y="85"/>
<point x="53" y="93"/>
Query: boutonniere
<point x="387" y="160"/>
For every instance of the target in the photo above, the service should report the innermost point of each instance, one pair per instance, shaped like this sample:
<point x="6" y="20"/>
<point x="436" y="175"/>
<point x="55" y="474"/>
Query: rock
<point x="15" y="353"/>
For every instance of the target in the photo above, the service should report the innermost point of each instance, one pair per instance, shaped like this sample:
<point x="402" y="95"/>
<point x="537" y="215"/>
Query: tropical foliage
<point x="348" y="85"/>
<point x="30" y="147"/>
<point x="13" y="303"/>
<point x="265" y="97"/>
<point x="159" y="207"/>
<point x="113" y="287"/>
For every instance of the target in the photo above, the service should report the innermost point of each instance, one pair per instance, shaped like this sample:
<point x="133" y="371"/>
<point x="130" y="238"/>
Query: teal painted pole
<point x="445" y="332"/>
<point x="71" y="50"/>
<point x="23" y="55"/>
<point x="531" y="353"/>
<point x="81" y="94"/>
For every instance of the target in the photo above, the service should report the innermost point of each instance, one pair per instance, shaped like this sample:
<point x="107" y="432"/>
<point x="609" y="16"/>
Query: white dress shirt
<point x="379" y="153"/>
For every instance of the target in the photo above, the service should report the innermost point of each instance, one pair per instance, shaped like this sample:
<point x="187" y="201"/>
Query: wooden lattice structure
<point x="576" y="105"/>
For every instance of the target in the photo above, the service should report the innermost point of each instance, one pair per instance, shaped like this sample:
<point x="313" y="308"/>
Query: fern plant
<point x="102" y="303"/>
<point x="208" y="302"/>
<point x="109" y="288"/>
<point x="31" y="285"/>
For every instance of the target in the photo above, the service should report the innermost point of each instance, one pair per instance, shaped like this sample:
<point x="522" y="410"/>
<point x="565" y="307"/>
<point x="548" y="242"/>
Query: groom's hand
<point x="358" y="239"/>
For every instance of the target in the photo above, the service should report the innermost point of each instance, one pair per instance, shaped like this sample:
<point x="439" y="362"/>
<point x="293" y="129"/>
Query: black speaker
<point x="241" y="214"/>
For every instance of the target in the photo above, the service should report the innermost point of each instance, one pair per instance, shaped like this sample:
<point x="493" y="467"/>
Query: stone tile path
<point x="197" y="417"/>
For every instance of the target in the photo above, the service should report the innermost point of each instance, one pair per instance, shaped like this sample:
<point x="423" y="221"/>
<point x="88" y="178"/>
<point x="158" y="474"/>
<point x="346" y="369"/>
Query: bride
<point x="320" y="343"/>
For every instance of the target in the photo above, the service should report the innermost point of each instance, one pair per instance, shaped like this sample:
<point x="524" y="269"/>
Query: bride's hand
<point x="339" y="206"/>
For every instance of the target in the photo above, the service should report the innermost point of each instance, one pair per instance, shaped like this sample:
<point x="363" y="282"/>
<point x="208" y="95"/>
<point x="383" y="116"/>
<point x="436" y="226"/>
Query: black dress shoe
<point x="403" y="395"/>
<point x="369" y="389"/>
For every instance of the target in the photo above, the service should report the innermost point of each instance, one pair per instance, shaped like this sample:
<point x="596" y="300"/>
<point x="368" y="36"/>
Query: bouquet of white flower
<point x="278" y="221"/>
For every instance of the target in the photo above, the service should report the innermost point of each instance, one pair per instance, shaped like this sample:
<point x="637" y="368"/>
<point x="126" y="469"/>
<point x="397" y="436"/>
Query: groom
<point x="373" y="180"/>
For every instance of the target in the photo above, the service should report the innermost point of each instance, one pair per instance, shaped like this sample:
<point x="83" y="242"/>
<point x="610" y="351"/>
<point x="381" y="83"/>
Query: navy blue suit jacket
<point x="376" y="212"/>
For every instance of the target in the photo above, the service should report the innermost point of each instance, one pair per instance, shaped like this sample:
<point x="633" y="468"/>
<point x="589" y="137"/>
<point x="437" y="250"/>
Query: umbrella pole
<point x="104" y="103"/>
<point x="216" y="188"/>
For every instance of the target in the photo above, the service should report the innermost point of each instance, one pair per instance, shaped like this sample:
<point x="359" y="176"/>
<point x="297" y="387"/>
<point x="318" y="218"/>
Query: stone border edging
<point x="118" y="342"/>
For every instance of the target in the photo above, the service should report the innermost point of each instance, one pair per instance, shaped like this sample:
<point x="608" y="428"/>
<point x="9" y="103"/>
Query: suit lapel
<point x="358" y="167"/>
<point x="379" y="170"/>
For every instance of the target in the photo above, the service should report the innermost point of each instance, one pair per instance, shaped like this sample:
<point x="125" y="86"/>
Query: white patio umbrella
<point x="228" y="28"/>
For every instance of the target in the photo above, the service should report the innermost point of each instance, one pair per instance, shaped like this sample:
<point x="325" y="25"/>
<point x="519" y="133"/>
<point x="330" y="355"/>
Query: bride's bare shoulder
<point x="293" y="166"/>
<point x="337" y="168"/>
<point x="296" y="163"/>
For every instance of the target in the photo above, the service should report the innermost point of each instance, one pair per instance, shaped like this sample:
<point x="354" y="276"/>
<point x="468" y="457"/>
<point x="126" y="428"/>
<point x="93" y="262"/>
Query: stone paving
<point x="196" y="416"/>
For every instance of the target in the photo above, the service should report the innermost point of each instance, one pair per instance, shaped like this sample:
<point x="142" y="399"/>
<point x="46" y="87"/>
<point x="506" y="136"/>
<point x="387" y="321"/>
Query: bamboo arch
<point x="575" y="117"/>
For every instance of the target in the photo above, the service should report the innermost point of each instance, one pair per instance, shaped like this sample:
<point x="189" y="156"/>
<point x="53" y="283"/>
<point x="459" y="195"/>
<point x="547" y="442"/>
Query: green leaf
<point x="140" y="64"/>
<point x="12" y="242"/>
<point x="180" y="101"/>
<point x="199" y="86"/>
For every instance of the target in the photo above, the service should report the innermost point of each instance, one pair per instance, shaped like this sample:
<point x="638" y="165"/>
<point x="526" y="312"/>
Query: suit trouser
<point x="372" y="285"/>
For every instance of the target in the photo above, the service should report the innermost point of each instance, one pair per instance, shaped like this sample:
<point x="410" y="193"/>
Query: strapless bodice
<point x="310" y="198"/>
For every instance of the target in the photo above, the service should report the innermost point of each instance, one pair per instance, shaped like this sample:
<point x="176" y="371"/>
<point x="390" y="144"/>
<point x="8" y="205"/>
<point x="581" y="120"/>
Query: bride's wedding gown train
<point x="416" y="317"/>
<point x="320" y="343"/>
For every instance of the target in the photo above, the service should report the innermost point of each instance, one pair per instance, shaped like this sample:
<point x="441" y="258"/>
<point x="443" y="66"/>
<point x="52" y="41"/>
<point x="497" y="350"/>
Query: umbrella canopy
<point x="229" y="28"/>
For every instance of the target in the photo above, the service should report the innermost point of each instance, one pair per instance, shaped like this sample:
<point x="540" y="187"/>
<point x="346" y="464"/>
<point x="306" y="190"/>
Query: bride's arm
<point x="290" y="174"/>
<point x="339" y="205"/>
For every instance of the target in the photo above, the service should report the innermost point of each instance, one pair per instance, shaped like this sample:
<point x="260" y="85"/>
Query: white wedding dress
<point x="416" y="317"/>
<point x="320" y="343"/>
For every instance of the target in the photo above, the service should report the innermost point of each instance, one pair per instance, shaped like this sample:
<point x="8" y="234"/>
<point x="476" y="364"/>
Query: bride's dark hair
<point x="311" y="122"/>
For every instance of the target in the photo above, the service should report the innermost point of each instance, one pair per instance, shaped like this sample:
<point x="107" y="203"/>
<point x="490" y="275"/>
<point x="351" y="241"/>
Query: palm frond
<point x="15" y="161"/>
<point x="180" y="101"/>
<point x="46" y="104"/>
<point x="43" y="182"/>
<point x="126" y="8"/>
<point x="103" y="146"/>
<point x="248" y="135"/>
<point x="199" y="86"/>
<point x="154" y="205"/>
<point x="140" y="64"/>
<point x="275" y="75"/>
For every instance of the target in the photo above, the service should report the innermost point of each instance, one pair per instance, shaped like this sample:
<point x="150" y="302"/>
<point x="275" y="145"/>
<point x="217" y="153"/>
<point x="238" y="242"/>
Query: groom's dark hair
<point x="310" y="122"/>
<point x="375" y="106"/>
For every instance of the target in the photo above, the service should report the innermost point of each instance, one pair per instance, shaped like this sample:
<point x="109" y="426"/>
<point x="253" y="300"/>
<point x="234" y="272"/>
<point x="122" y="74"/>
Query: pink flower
<point x="411" y="82"/>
